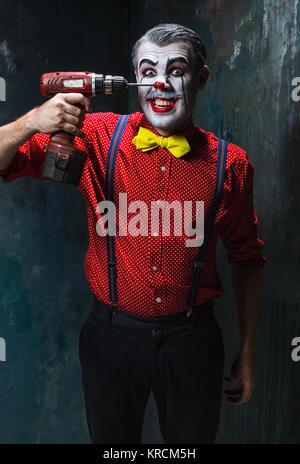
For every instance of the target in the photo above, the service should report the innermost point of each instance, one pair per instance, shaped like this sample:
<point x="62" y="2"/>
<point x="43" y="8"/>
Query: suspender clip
<point x="114" y="305"/>
<point x="189" y="311"/>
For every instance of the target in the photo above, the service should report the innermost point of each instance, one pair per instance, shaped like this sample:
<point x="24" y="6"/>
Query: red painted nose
<point x="159" y="85"/>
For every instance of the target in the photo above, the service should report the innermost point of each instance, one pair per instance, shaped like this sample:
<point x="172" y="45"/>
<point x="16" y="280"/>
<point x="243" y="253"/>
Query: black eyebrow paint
<point x="146" y="60"/>
<point x="179" y="59"/>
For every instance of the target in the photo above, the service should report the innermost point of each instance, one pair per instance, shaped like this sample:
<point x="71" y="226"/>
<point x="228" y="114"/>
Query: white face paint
<point x="168" y="109"/>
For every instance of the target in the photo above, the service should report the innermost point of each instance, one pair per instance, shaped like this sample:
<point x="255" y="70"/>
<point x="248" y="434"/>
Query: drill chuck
<point x="107" y="84"/>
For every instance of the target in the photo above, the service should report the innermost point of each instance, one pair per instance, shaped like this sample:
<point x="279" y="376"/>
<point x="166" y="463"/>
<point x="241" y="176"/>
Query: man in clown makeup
<point x="152" y="325"/>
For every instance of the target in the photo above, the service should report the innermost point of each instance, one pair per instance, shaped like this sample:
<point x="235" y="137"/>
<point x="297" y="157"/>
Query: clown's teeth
<point x="159" y="102"/>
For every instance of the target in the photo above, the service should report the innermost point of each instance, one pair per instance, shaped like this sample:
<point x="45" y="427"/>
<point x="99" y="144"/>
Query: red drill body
<point x="56" y="82"/>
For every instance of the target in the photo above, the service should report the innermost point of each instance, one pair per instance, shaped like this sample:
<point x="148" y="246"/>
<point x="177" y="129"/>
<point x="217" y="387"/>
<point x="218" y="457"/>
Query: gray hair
<point x="165" y="34"/>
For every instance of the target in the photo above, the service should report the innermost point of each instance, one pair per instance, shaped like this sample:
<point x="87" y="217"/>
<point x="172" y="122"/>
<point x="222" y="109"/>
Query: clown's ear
<point x="202" y="76"/>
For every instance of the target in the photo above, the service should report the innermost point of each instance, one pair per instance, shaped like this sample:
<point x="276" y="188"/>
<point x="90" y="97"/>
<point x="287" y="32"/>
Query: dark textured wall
<point x="253" y="54"/>
<point x="44" y="296"/>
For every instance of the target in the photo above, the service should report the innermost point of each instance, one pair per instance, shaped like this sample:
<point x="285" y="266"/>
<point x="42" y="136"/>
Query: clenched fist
<point x="63" y="112"/>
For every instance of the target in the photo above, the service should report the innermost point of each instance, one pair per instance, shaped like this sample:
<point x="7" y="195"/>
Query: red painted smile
<point x="162" y="105"/>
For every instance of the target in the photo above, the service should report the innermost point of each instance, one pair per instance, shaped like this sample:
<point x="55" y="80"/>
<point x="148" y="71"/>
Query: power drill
<point x="63" y="161"/>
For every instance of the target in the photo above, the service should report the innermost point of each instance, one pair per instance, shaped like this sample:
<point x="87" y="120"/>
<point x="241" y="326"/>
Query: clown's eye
<point x="148" y="73"/>
<point x="176" y="72"/>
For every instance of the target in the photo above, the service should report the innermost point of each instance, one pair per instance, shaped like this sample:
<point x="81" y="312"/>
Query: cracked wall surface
<point x="253" y="54"/>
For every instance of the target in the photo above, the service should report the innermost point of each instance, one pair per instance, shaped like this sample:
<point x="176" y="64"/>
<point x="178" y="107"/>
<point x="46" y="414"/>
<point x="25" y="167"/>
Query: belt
<point x="106" y="312"/>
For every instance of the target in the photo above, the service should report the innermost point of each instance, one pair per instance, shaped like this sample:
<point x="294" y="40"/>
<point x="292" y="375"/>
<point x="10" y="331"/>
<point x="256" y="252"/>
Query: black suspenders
<point x="110" y="175"/>
<point x="199" y="263"/>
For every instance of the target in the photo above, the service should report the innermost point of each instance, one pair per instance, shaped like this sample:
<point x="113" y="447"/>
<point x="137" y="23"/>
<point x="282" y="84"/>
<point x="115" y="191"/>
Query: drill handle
<point x="64" y="138"/>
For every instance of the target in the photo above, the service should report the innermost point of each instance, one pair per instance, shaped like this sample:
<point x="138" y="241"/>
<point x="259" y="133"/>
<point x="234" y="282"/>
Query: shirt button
<point x="155" y="234"/>
<point x="158" y="202"/>
<point x="163" y="168"/>
<point x="154" y="268"/>
<point x="158" y="300"/>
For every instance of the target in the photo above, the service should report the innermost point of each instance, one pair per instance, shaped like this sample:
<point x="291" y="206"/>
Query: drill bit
<point x="137" y="84"/>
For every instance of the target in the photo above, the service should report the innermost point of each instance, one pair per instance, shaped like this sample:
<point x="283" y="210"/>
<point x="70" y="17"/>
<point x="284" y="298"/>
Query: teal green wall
<point x="253" y="54"/>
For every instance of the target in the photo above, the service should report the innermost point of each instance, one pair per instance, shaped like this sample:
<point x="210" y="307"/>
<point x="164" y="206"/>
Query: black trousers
<point x="126" y="356"/>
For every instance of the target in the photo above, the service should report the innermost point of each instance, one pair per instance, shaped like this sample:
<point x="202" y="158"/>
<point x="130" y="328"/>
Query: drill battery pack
<point x="62" y="167"/>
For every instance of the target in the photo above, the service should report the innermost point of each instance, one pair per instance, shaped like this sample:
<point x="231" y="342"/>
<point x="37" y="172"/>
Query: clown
<point x="145" y="331"/>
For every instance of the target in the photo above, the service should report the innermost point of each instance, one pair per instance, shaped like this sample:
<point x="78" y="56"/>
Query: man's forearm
<point x="12" y="136"/>
<point x="59" y="113"/>
<point x="246" y="289"/>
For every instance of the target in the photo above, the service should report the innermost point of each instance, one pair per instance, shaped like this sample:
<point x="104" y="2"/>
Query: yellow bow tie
<point x="177" y="144"/>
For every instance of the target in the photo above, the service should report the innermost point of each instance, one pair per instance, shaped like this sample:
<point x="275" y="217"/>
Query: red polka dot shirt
<point x="154" y="271"/>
